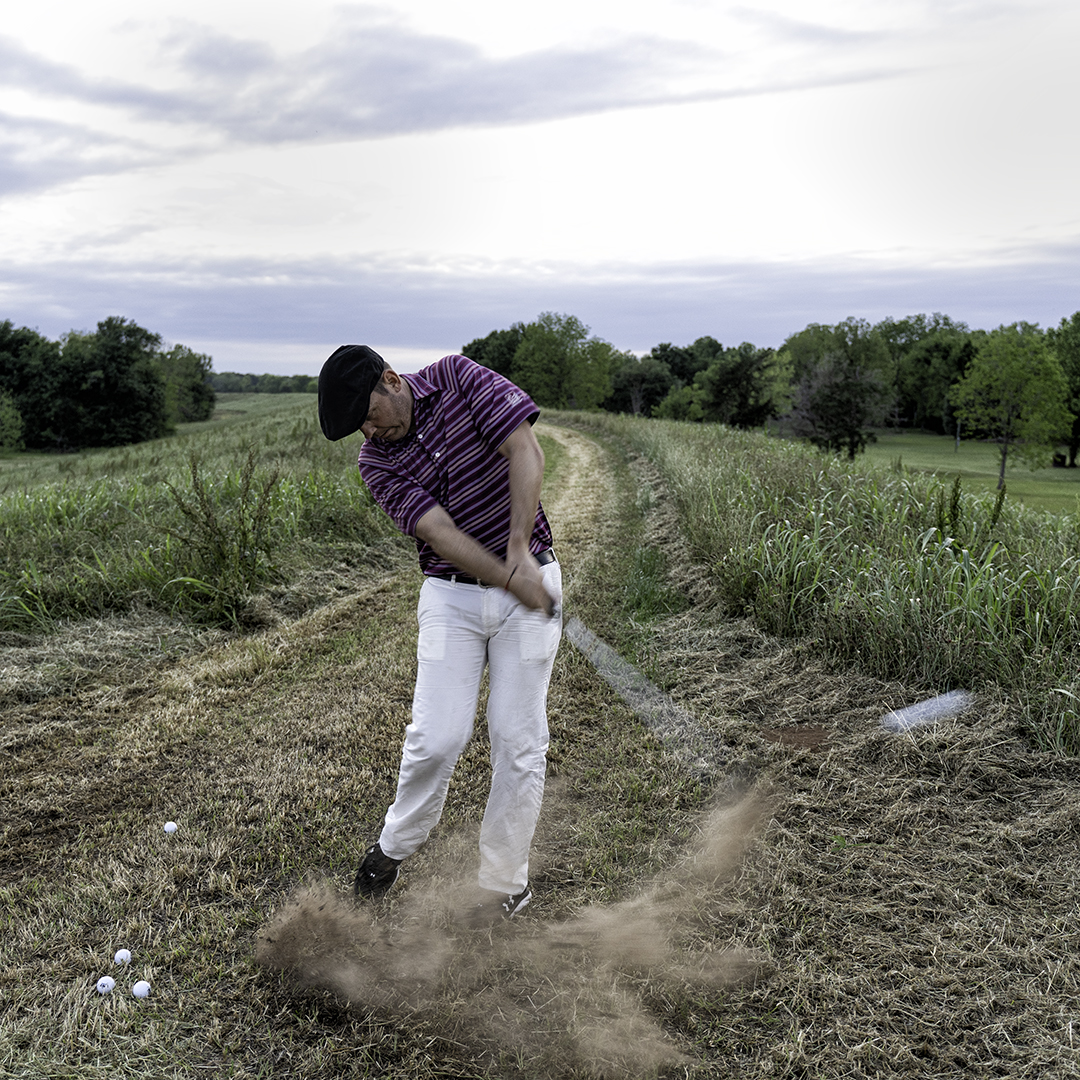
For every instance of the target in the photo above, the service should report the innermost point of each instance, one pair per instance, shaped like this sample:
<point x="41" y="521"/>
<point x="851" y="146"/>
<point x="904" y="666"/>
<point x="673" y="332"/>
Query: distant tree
<point x="807" y="347"/>
<point x="843" y="385"/>
<point x="682" y="362"/>
<point x="233" y="382"/>
<point x="11" y="424"/>
<point x="638" y="385"/>
<point x="497" y="350"/>
<point x="1064" y="339"/>
<point x="738" y="387"/>
<point x="837" y="404"/>
<point x="111" y="389"/>
<point x="29" y="371"/>
<point x="273" y="384"/>
<point x="742" y="387"/>
<point x="99" y="389"/>
<point x="927" y="353"/>
<point x="1014" y="393"/>
<point x="188" y="393"/>
<point x="560" y="366"/>
<point x="926" y="374"/>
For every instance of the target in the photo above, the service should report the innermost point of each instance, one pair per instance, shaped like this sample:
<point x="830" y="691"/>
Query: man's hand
<point x="519" y="574"/>
<point x="526" y="581"/>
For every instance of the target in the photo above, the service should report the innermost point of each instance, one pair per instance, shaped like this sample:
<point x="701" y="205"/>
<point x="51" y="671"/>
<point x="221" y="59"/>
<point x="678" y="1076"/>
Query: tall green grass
<point x="908" y="577"/>
<point x="195" y="524"/>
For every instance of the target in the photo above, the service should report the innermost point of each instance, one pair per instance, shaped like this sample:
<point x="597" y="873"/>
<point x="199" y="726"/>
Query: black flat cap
<point x="345" y="385"/>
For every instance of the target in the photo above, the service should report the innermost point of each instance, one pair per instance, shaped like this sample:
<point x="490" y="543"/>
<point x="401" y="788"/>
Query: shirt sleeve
<point x="403" y="499"/>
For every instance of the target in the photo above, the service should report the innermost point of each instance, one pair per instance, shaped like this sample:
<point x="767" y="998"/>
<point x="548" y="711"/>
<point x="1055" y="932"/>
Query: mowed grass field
<point x="811" y="897"/>
<point x="979" y="465"/>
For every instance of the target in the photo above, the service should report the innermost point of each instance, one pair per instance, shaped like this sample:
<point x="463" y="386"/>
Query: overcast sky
<point x="266" y="182"/>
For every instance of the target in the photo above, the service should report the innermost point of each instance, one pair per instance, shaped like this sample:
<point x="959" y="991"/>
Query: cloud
<point x="783" y="29"/>
<point x="371" y="77"/>
<point x="428" y="304"/>
<point x="36" y="153"/>
<point x="40" y="76"/>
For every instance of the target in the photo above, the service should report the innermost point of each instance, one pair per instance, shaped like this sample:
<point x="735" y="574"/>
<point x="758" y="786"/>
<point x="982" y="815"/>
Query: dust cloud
<point x="566" y="995"/>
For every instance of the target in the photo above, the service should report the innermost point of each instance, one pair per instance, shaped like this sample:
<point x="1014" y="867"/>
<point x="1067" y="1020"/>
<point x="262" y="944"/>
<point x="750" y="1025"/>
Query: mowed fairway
<point x="820" y="899"/>
<point x="979" y="464"/>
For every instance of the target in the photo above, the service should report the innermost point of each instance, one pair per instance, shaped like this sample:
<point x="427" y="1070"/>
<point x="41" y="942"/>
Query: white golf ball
<point x="170" y="826"/>
<point x="106" y="984"/>
<point x="122" y="957"/>
<point x="141" y="989"/>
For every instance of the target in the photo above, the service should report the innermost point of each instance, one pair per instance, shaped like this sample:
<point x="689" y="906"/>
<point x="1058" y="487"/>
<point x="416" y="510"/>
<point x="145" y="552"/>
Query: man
<point x="451" y="456"/>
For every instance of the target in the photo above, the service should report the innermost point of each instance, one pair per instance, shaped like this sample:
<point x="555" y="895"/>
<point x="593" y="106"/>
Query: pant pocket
<point x="431" y="641"/>
<point x="538" y="637"/>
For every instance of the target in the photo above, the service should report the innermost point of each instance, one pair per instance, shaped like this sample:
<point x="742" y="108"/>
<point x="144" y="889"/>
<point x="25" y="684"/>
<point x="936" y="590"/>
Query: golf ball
<point x="170" y="826"/>
<point x="122" y="956"/>
<point x="105" y="984"/>
<point x="141" y="989"/>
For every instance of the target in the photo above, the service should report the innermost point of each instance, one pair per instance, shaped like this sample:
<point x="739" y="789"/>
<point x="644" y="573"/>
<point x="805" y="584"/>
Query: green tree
<point x="639" y="385"/>
<point x="11" y="423"/>
<point x="111" y="390"/>
<point x="1064" y="339"/>
<point x="1014" y="393"/>
<point x="497" y="350"/>
<point x="232" y="382"/>
<point x="926" y="374"/>
<point x="807" y="347"/>
<point x="683" y="362"/>
<point x="560" y="367"/>
<point x="188" y="393"/>
<point x="837" y="404"/>
<point x="843" y="384"/>
<point x="29" y="372"/>
<point x="740" y="387"/>
<point x="927" y="354"/>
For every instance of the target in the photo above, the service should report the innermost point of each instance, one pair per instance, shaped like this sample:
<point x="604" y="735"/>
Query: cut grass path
<point x="277" y="755"/>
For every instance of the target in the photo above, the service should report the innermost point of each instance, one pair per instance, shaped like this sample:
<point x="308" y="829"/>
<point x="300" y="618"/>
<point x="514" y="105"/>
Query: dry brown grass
<point x="908" y="905"/>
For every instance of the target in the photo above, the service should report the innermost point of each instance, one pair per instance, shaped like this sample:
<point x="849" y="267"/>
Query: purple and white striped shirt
<point x="462" y="414"/>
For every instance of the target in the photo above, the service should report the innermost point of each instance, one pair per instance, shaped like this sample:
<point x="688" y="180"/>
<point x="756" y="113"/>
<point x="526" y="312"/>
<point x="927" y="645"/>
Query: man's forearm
<point x="526" y="477"/>
<point x="437" y="528"/>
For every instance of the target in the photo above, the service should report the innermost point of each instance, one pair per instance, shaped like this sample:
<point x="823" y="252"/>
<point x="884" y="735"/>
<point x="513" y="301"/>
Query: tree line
<point x="114" y="386"/>
<point x="232" y="382"/>
<point x="1018" y="385"/>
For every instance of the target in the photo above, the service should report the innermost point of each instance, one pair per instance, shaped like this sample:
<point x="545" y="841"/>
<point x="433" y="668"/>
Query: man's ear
<point x="391" y="379"/>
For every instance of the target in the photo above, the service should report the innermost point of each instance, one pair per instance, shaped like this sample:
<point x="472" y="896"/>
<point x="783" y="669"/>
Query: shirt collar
<point x="421" y="388"/>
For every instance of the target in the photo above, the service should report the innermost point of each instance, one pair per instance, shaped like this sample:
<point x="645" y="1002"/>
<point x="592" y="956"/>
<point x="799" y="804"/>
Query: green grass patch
<point x="199" y="524"/>
<point x="978" y="464"/>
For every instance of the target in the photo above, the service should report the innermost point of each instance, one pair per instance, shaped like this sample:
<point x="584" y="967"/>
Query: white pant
<point x="462" y="628"/>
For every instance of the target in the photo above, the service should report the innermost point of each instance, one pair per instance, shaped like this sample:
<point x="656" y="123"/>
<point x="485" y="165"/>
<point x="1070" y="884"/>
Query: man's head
<point x="346" y="383"/>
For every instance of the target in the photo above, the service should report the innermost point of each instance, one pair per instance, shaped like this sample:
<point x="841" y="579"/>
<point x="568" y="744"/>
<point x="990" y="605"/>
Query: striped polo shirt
<point x="462" y="414"/>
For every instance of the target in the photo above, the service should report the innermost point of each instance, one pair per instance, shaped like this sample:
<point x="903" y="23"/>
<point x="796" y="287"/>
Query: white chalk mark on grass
<point x="927" y="712"/>
<point x="680" y="732"/>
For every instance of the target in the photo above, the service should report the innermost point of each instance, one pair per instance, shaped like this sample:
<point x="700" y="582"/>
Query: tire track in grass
<point x="679" y="731"/>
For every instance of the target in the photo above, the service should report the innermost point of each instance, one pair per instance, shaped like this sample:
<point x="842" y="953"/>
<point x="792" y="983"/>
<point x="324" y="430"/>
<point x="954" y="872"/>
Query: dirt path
<point x="581" y="498"/>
